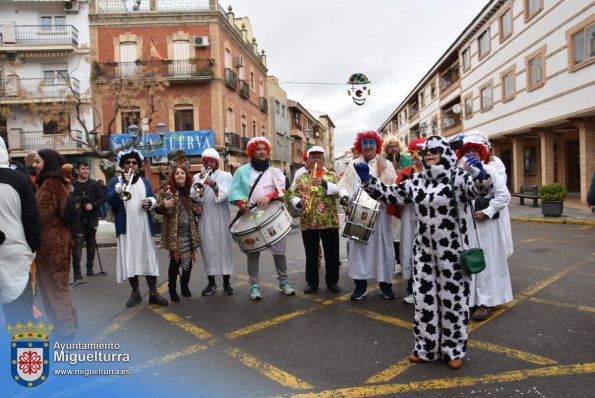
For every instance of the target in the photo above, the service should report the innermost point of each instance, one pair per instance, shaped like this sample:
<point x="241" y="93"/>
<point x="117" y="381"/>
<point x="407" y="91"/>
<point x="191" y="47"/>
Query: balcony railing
<point x="264" y="104"/>
<point x="245" y="143"/>
<point x="244" y="89"/>
<point x="233" y="141"/>
<point x="132" y="6"/>
<point x="15" y="87"/>
<point x="171" y="70"/>
<point x="42" y="35"/>
<point x="35" y="140"/>
<point x="231" y="79"/>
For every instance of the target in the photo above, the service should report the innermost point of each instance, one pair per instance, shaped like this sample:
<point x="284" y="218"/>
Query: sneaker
<point x="285" y="287"/>
<point x="358" y="294"/>
<point x="227" y="290"/>
<point x="408" y="299"/>
<point x="398" y="269"/>
<point x="255" y="292"/>
<point x="210" y="289"/>
<point x="155" y="298"/>
<point x="134" y="299"/>
<point x="387" y="291"/>
<point x="481" y="314"/>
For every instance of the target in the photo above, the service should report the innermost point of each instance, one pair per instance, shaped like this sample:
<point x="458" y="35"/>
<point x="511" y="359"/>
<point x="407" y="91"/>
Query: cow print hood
<point x="448" y="159"/>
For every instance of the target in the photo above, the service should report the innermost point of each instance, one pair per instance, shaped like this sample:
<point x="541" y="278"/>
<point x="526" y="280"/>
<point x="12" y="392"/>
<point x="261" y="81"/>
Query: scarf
<point x="259" y="166"/>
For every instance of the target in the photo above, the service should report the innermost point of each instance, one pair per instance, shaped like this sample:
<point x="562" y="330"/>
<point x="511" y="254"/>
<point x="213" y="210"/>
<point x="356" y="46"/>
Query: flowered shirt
<point x="324" y="212"/>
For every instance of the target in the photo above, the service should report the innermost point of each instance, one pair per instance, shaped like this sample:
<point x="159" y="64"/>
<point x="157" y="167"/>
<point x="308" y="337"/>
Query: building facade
<point x="216" y="77"/>
<point x="522" y="72"/>
<point x="279" y="125"/>
<point x="44" y="72"/>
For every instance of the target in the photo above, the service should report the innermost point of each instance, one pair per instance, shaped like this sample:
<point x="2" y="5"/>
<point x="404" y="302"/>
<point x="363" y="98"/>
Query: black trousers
<point x="83" y="233"/>
<point x="330" y="245"/>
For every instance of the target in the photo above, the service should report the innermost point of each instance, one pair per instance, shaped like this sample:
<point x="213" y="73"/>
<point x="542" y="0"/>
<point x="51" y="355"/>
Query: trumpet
<point x="199" y="186"/>
<point x="125" y="195"/>
<point x="312" y="192"/>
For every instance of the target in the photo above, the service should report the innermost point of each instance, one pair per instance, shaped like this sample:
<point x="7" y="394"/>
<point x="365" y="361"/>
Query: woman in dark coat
<point x="53" y="255"/>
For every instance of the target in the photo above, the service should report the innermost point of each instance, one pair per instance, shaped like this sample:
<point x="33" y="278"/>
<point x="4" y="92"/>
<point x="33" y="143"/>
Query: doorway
<point x="573" y="166"/>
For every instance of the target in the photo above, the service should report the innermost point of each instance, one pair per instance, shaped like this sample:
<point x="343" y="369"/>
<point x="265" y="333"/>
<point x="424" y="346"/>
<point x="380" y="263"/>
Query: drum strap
<point x="254" y="186"/>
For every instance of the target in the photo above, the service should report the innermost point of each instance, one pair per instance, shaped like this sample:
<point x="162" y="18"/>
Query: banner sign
<point x="191" y="142"/>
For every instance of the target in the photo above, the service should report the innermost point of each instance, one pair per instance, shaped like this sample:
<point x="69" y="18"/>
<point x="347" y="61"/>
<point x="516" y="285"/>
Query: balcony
<point x="128" y="6"/>
<point x="27" y="141"/>
<point x="15" y="89"/>
<point x="245" y="143"/>
<point x="244" y="89"/>
<point x="264" y="104"/>
<point x="173" y="71"/>
<point x="38" y="37"/>
<point x="233" y="141"/>
<point x="231" y="79"/>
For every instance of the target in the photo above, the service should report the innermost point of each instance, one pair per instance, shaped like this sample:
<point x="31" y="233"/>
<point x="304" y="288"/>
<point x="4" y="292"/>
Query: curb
<point x="553" y="221"/>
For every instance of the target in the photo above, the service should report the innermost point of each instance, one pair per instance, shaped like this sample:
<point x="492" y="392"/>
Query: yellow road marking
<point x="117" y="323"/>
<point x="266" y="324"/>
<point x="384" y="318"/>
<point x="583" y="308"/>
<point x="183" y="324"/>
<point x="391" y="372"/>
<point x="454" y="382"/>
<point x="268" y="370"/>
<point x="171" y="356"/>
<point x="523" y="356"/>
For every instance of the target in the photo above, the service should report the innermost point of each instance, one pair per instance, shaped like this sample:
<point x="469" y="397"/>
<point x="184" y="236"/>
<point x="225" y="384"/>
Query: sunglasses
<point x="131" y="162"/>
<point x="431" y="151"/>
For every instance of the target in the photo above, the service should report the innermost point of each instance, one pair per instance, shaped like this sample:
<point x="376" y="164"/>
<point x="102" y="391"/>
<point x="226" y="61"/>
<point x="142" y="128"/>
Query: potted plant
<point x="552" y="199"/>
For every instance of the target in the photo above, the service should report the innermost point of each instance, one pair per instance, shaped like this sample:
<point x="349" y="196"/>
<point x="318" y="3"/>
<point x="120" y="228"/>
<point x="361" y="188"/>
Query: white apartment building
<point x="44" y="59"/>
<point x="279" y="125"/>
<point x="522" y="72"/>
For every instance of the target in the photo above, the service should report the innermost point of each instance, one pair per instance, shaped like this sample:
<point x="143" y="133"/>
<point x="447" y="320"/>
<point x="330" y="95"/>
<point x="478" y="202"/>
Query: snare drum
<point x="360" y="223"/>
<point x="259" y="229"/>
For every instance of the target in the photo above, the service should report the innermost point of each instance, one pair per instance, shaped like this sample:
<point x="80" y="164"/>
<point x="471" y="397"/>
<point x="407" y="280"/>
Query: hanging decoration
<point x="359" y="91"/>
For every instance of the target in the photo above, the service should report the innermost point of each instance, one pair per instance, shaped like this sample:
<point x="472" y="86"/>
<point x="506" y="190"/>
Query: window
<point x="296" y="119"/>
<point x="129" y="117"/>
<point x="483" y="43"/>
<point x="283" y="112"/>
<point x="468" y="106"/>
<point x="241" y="73"/>
<point x="58" y="125"/>
<point x="433" y="90"/>
<point x="227" y="59"/>
<point x="127" y="57"/>
<point x="55" y="76"/>
<point x="505" y="23"/>
<point x="253" y="129"/>
<point x="450" y="119"/>
<point x="244" y="126"/>
<point x="230" y="123"/>
<point x="530" y="162"/>
<point x="466" y="55"/>
<point x="486" y="98"/>
<point x="252" y="81"/>
<point x="181" y="55"/>
<point x="53" y="23"/>
<point x="535" y="66"/>
<point x="422" y="99"/>
<point x="508" y="83"/>
<point x="581" y="44"/>
<point x="184" y="118"/>
<point x="261" y="88"/>
<point x="277" y="107"/>
<point x="532" y="8"/>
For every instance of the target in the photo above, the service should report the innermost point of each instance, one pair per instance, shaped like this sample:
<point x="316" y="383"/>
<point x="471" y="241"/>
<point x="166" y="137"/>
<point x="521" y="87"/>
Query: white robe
<point x="215" y="238"/>
<point x="376" y="259"/>
<point x="492" y="286"/>
<point x="136" y="254"/>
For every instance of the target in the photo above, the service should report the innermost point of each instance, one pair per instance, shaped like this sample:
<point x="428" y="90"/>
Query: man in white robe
<point x="374" y="260"/>
<point x="216" y="241"/>
<point x="136" y="254"/>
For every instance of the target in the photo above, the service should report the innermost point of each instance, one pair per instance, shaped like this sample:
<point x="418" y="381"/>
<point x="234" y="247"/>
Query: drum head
<point x="255" y="217"/>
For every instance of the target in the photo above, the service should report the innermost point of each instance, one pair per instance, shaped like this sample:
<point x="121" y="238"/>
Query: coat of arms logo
<point x="30" y="353"/>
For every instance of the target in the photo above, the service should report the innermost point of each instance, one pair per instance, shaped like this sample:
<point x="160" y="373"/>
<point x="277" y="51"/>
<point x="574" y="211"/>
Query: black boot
<point x="155" y="298"/>
<point x="172" y="273"/>
<point x="361" y="285"/>
<point x="77" y="273"/>
<point x="134" y="299"/>
<point x="227" y="289"/>
<point x="184" y="280"/>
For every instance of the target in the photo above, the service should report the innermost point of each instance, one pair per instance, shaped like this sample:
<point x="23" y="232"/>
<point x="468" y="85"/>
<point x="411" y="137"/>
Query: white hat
<point x="211" y="153"/>
<point x="477" y="137"/>
<point x="316" y="149"/>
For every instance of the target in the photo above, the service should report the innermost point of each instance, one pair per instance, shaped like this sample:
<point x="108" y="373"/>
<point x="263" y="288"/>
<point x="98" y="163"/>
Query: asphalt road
<point x="542" y="344"/>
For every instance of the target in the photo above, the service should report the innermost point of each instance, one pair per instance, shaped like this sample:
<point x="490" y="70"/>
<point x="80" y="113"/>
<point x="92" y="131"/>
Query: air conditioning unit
<point x="71" y="7"/>
<point x="201" y="41"/>
<point x="159" y="159"/>
<point x="239" y="61"/>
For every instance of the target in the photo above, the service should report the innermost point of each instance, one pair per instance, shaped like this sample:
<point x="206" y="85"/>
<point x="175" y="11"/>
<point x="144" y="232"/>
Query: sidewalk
<point x="574" y="213"/>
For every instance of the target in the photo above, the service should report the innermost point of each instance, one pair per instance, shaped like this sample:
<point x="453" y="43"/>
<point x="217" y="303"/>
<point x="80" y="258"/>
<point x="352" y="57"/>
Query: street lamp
<point x="134" y="132"/>
<point x="308" y="135"/>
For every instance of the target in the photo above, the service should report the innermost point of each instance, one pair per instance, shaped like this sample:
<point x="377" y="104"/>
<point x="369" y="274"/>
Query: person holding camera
<point x="89" y="198"/>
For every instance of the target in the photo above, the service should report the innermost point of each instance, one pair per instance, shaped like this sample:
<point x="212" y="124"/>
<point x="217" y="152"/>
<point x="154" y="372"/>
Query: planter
<point x="552" y="209"/>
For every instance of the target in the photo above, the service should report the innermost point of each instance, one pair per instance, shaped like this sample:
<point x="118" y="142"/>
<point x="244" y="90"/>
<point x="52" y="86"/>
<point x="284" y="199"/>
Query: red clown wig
<point x="171" y="180"/>
<point x="415" y="146"/>
<point x="367" y="134"/>
<point x="255" y="141"/>
<point x="482" y="149"/>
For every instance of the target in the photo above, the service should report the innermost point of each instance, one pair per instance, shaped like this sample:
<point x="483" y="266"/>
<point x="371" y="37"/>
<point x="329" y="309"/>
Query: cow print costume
<point x="440" y="286"/>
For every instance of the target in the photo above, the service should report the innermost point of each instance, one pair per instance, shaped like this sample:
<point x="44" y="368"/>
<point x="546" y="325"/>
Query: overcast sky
<point x="393" y="42"/>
